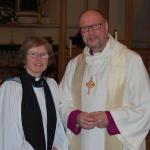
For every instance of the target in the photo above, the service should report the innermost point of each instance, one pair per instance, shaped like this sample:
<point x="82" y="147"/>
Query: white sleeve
<point x="60" y="139"/>
<point x="133" y="118"/>
<point x="11" y="132"/>
<point x="26" y="146"/>
<point x="66" y="100"/>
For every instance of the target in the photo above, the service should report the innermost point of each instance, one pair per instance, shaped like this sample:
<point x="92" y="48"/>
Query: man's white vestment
<point x="132" y="117"/>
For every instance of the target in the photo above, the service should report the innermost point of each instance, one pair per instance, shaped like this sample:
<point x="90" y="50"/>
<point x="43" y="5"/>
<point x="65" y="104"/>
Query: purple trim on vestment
<point x="111" y="128"/>
<point x="72" y="122"/>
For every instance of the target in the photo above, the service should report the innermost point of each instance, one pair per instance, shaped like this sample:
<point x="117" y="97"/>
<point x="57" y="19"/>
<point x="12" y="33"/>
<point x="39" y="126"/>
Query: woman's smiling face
<point x="36" y="60"/>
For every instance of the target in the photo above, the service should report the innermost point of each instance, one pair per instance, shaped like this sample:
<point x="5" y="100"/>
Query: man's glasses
<point x="36" y="55"/>
<point x="93" y="27"/>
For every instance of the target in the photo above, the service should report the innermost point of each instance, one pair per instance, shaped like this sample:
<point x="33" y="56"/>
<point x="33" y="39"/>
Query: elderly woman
<point x="29" y="117"/>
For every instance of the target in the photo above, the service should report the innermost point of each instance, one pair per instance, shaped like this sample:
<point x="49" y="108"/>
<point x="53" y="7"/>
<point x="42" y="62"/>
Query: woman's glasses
<point x="36" y="55"/>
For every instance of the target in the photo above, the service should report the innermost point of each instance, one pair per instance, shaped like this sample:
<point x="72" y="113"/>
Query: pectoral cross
<point x="90" y="85"/>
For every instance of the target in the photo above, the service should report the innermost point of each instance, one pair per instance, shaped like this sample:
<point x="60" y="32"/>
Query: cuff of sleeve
<point x="111" y="128"/>
<point x="72" y="122"/>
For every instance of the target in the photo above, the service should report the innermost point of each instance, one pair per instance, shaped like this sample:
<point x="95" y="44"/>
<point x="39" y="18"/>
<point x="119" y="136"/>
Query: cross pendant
<point x="90" y="84"/>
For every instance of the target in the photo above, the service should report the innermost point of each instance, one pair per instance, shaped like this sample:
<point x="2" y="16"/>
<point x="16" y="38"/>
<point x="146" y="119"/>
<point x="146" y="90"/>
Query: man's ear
<point x="106" y="25"/>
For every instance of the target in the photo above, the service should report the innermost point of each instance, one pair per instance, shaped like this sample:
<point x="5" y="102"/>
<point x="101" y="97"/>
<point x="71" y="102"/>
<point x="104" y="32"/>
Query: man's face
<point x="94" y="31"/>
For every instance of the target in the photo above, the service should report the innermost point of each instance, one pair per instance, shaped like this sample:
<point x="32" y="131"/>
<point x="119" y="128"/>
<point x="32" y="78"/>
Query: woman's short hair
<point x="30" y="42"/>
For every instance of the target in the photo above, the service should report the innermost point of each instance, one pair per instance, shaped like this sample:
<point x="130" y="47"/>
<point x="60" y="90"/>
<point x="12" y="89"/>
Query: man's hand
<point x="86" y="121"/>
<point x="100" y="117"/>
